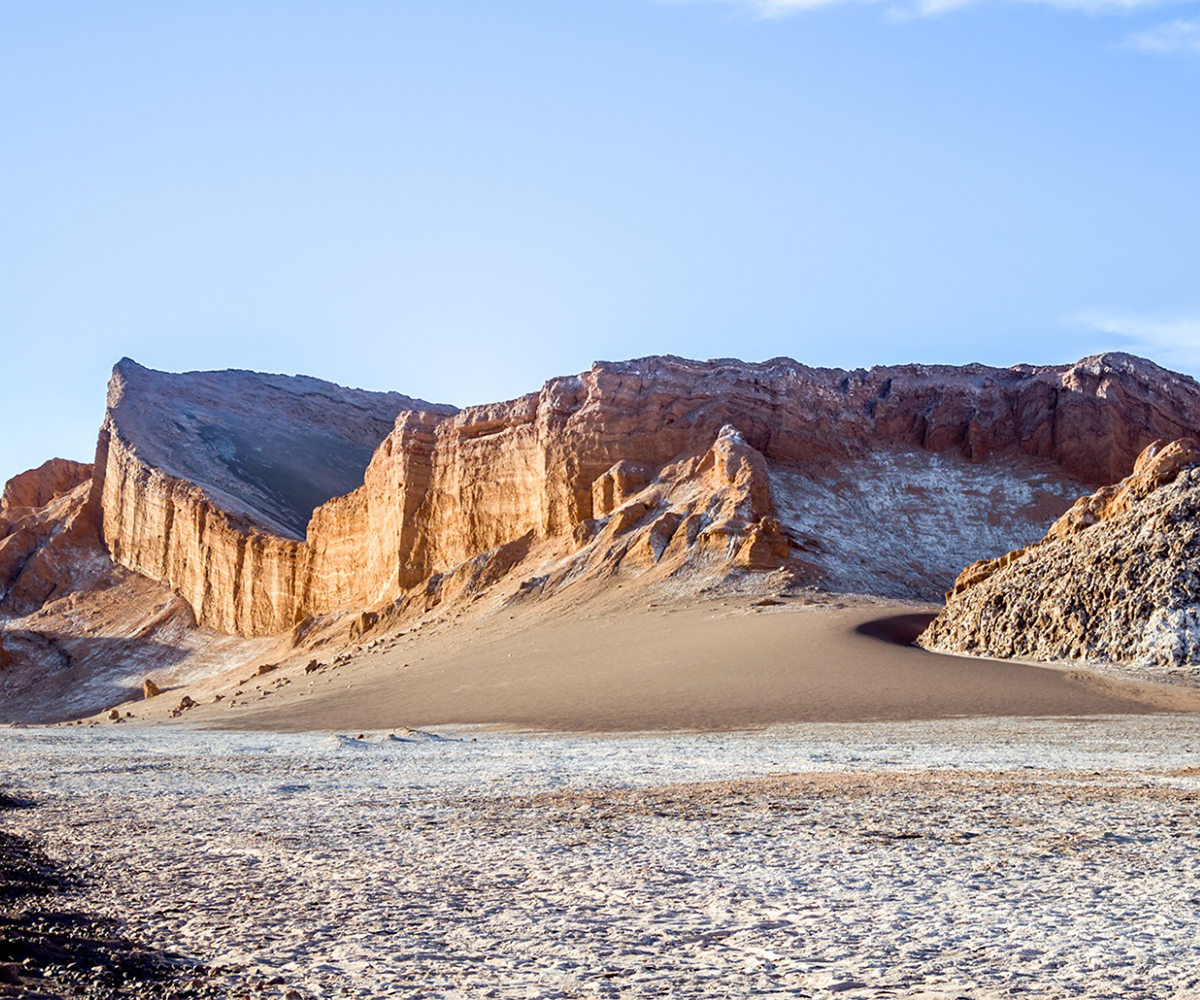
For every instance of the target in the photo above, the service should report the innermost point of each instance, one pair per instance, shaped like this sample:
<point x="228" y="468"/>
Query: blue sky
<point x="460" y="199"/>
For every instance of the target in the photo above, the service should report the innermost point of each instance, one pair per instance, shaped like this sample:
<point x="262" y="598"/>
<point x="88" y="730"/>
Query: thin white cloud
<point x="1174" y="36"/>
<point x="1174" y="342"/>
<point x="907" y="9"/>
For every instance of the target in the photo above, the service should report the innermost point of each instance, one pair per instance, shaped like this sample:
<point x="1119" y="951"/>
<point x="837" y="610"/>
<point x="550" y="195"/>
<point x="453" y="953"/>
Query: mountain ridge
<point x="680" y="474"/>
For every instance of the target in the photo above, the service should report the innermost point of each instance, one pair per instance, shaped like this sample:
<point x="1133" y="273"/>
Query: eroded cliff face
<point x="206" y="481"/>
<point x="79" y="631"/>
<point x="445" y="488"/>
<point x="231" y="505"/>
<point x="1116" y="579"/>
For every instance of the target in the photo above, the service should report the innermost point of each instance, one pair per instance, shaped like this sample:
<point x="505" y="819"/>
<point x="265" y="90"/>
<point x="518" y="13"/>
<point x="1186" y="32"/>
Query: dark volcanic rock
<point x="48" y="950"/>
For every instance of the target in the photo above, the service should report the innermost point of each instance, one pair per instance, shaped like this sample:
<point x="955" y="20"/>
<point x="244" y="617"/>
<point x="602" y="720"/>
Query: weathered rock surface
<point x="48" y="541"/>
<point x="1116" y="579"/>
<point x="205" y="481"/>
<point x="266" y="449"/>
<point x="226" y="505"/>
<point x="40" y="486"/>
<point x="444" y="488"/>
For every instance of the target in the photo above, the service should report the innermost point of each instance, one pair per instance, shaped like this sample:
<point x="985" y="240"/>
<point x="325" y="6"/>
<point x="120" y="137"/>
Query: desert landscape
<point x="599" y="500"/>
<point x="671" y="678"/>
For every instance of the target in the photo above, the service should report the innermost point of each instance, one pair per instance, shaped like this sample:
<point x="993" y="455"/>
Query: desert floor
<point x="631" y="665"/>
<point x="979" y="858"/>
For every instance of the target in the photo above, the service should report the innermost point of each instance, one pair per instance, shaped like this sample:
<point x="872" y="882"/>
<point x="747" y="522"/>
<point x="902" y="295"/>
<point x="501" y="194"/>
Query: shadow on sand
<point x="900" y="630"/>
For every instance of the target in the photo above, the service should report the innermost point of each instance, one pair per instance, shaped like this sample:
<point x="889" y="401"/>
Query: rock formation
<point x="48" y="541"/>
<point x="1116" y="579"/>
<point x="38" y="487"/>
<point x="231" y="504"/>
<point x="265" y="499"/>
<point x="188" y="498"/>
<point x="205" y="481"/>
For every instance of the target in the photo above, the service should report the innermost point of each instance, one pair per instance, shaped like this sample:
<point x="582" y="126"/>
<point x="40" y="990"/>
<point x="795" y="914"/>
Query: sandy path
<point x="704" y="665"/>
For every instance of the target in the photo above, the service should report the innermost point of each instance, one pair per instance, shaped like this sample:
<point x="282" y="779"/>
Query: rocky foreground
<point x="985" y="859"/>
<point x="51" y="949"/>
<point x="1115" y="580"/>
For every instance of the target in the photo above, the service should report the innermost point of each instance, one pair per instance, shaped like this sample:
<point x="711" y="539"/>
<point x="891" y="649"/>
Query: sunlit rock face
<point x="206" y="481"/>
<point x="48" y="543"/>
<point x="1116" y="579"/>
<point x="230" y="515"/>
<point x="262" y="499"/>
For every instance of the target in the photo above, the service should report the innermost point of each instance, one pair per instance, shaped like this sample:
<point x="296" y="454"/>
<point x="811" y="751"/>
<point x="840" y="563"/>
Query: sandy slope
<point x="615" y="665"/>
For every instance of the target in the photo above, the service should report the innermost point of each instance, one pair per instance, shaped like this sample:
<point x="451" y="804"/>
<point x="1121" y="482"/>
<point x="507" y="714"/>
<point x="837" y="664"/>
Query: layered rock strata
<point x="206" y="481"/>
<point x="445" y="487"/>
<point x="1116" y="579"/>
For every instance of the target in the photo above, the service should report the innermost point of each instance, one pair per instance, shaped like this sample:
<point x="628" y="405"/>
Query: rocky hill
<point x="1115" y="580"/>
<point x="262" y="507"/>
<point x="444" y="488"/>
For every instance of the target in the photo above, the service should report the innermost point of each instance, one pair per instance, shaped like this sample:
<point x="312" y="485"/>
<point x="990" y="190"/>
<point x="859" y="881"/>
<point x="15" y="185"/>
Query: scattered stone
<point x="49" y="949"/>
<point x="115" y="715"/>
<point x="150" y="689"/>
<point x="265" y="668"/>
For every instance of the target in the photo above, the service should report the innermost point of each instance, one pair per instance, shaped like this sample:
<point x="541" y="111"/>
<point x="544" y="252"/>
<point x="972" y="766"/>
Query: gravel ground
<point x="971" y="858"/>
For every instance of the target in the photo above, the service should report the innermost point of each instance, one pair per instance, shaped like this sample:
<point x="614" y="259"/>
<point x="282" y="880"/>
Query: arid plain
<point x="611" y="690"/>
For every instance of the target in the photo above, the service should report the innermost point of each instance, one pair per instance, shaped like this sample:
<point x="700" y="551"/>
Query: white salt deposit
<point x="1170" y="638"/>
<point x="904" y="524"/>
<point x="525" y="865"/>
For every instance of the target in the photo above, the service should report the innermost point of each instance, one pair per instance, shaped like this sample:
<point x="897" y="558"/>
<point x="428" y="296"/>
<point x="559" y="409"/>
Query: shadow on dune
<point x="901" y="630"/>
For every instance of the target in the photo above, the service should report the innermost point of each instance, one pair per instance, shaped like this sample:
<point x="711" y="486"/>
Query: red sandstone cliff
<point x="444" y="487"/>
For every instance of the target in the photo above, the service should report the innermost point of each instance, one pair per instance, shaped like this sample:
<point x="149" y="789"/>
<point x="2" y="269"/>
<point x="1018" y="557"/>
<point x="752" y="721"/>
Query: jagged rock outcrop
<point x="48" y="541"/>
<point x="1116" y="579"/>
<point x="445" y="487"/>
<point x="38" y="487"/>
<point x="708" y="512"/>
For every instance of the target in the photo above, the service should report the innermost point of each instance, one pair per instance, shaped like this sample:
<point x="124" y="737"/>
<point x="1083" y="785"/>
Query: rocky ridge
<point x="444" y="488"/>
<point x="1115" y="580"/>
<point x="226" y="504"/>
<point x="48" y="539"/>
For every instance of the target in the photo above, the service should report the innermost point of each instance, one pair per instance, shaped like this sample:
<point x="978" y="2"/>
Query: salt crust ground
<point x="979" y="858"/>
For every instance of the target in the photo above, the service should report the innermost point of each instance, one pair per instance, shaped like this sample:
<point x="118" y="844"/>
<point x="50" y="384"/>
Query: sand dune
<point x="716" y="664"/>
